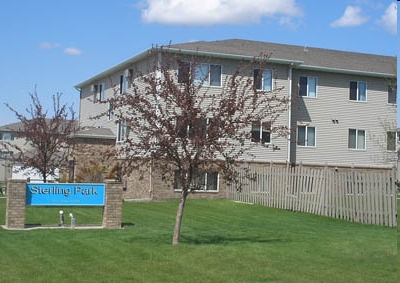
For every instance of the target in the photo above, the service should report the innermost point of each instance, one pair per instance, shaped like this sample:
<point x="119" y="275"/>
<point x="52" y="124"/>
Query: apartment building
<point x="342" y="110"/>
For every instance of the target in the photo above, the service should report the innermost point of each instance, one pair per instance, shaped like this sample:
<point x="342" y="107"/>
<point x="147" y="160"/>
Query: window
<point x="262" y="79"/>
<point x="6" y="136"/>
<point x="391" y="141"/>
<point x="183" y="72"/>
<point x="111" y="110"/>
<point x="122" y="84"/>
<point x="204" y="181"/>
<point x="358" y="91"/>
<point x="306" y="136"/>
<point x="123" y="132"/>
<point x="392" y="95"/>
<point x="208" y="74"/>
<point x="5" y="154"/>
<point x="261" y="132"/>
<point x="308" y="86"/>
<point x="202" y="128"/>
<point x="102" y="91"/>
<point x="356" y="139"/>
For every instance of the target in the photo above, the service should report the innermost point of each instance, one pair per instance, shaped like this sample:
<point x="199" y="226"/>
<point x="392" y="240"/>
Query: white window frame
<point x="394" y="144"/>
<point x="202" y="175"/>
<point x="358" y="91"/>
<point x="357" y="131"/>
<point x="262" y="126"/>
<point x="392" y="93"/>
<point x="122" y="132"/>
<point x="308" y="87"/>
<point x="110" y="110"/>
<point x="123" y="84"/>
<point x="186" y="130"/>
<point x="206" y="75"/>
<point x="7" y="136"/>
<point x="306" y="136"/>
<point x="102" y="92"/>
<point x="263" y="79"/>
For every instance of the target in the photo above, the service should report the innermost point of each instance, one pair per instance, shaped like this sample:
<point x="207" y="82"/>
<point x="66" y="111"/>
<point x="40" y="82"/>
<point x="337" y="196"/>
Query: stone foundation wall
<point x="91" y="153"/>
<point x="153" y="186"/>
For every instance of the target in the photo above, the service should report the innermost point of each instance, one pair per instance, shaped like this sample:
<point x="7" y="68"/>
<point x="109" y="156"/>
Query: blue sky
<point x="58" y="44"/>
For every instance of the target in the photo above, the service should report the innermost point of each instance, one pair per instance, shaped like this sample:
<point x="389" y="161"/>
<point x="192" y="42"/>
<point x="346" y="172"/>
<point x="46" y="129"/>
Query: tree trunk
<point x="44" y="177"/>
<point x="179" y="215"/>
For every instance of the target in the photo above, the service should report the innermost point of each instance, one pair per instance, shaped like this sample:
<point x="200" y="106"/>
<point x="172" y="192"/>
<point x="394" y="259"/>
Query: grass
<point x="221" y="241"/>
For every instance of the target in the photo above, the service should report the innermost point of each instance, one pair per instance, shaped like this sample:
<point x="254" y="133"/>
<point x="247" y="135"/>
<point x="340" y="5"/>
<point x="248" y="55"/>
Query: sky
<point x="50" y="46"/>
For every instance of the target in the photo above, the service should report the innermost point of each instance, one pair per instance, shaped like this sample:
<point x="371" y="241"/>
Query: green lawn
<point x="221" y="241"/>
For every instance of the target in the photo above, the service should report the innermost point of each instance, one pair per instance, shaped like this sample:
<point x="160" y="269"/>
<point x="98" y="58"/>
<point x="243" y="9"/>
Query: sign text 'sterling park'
<point x="65" y="194"/>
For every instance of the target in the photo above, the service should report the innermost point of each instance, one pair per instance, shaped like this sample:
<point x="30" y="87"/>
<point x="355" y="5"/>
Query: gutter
<point x="346" y="71"/>
<point x="115" y="68"/>
<point x="229" y="56"/>
<point x="297" y="63"/>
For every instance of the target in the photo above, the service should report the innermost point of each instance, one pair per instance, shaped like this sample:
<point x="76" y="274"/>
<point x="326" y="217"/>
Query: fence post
<point x="393" y="193"/>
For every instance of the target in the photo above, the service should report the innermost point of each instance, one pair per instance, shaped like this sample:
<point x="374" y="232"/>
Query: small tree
<point x="46" y="138"/>
<point x="176" y="123"/>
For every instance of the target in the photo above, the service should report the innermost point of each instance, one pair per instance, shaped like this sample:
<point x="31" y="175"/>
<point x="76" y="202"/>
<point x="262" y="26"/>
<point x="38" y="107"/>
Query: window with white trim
<point x="110" y="110"/>
<point x="308" y="86"/>
<point x="102" y="92"/>
<point x="391" y="141"/>
<point x="261" y="132"/>
<point x="207" y="74"/>
<point x="262" y="79"/>
<point x="123" y="84"/>
<point x="203" y="127"/>
<point x="123" y="132"/>
<point x="306" y="136"/>
<point x="203" y="181"/>
<point x="358" y="91"/>
<point x="183" y="72"/>
<point x="356" y="139"/>
<point x="6" y="136"/>
<point x="392" y="94"/>
<point x="6" y="154"/>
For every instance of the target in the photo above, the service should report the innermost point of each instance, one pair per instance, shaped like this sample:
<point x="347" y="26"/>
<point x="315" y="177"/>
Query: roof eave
<point x="118" y="67"/>
<point x="347" y="71"/>
<point x="229" y="56"/>
<point x="88" y="136"/>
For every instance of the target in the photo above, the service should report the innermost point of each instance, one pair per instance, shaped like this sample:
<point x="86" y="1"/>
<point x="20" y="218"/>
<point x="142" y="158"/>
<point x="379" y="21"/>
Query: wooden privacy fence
<point x="365" y="196"/>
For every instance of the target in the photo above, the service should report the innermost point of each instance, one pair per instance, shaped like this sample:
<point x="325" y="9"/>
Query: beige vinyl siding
<point x="277" y="150"/>
<point x="89" y="109"/>
<point x="333" y="102"/>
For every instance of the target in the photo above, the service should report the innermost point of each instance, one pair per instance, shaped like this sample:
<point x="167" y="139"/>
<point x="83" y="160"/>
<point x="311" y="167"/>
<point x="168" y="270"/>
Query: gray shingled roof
<point x="14" y="127"/>
<point x="310" y="56"/>
<point x="18" y="127"/>
<point x="301" y="56"/>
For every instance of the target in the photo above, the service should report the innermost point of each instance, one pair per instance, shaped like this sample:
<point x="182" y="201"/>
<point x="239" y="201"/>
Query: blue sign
<point x="72" y="194"/>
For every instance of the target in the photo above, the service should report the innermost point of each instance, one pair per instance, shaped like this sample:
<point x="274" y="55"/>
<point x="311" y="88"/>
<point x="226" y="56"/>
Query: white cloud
<point x="72" y="51"/>
<point x="48" y="45"/>
<point x="352" y="17"/>
<point x="209" y="12"/>
<point x="389" y="19"/>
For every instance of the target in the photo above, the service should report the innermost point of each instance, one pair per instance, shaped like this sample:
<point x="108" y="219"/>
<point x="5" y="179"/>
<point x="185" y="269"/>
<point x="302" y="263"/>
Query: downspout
<point x="289" y="112"/>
